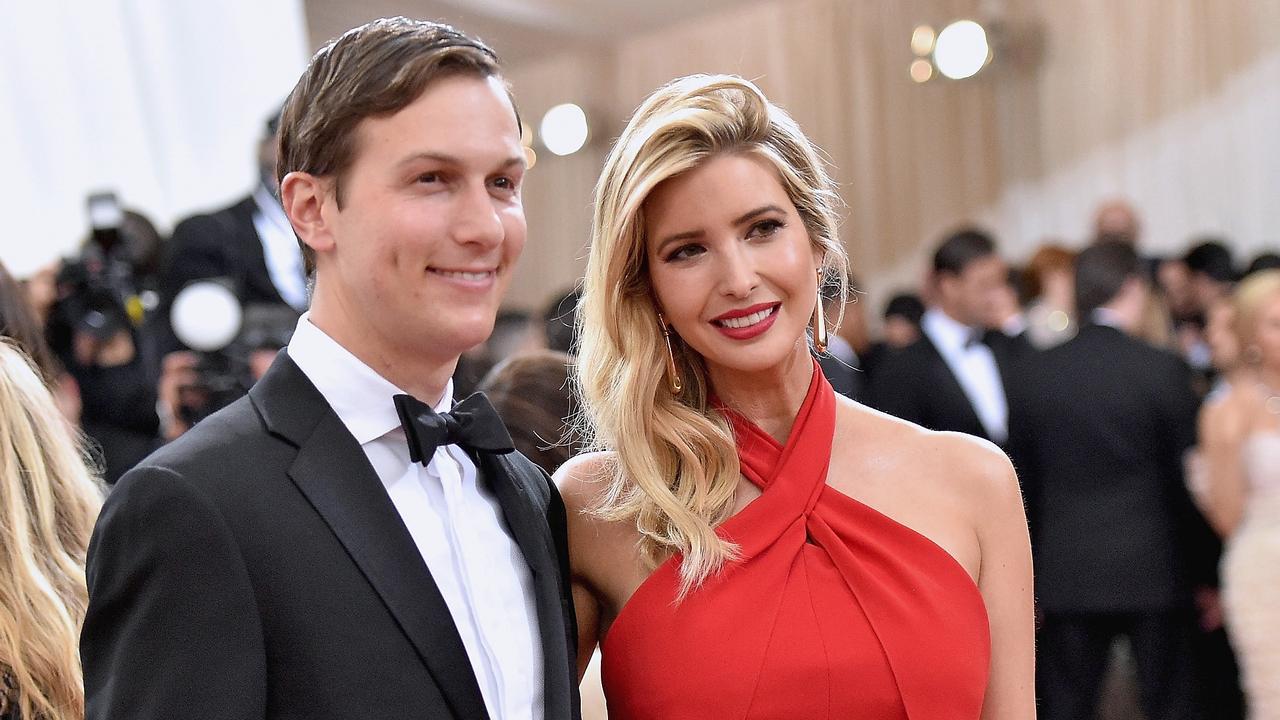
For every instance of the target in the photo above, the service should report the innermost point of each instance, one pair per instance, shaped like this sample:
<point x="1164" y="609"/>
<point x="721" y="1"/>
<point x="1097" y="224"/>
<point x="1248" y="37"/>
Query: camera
<point x="230" y="342"/>
<point x="97" y="291"/>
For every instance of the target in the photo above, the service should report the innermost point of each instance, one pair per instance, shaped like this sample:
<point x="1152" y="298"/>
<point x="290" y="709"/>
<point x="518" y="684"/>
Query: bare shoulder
<point x="583" y="480"/>
<point x="962" y="467"/>
<point x="1225" y="417"/>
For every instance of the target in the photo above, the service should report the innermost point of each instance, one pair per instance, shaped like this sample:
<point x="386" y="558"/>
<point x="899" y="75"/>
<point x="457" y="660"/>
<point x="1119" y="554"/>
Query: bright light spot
<point x="961" y="50"/>
<point x="564" y="129"/>
<point x="1058" y="321"/>
<point x="922" y="40"/>
<point x="526" y="135"/>
<point x="921" y="70"/>
<point x="530" y="158"/>
<point x="206" y="316"/>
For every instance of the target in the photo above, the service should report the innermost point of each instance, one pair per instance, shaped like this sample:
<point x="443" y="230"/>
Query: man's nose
<point x="476" y="220"/>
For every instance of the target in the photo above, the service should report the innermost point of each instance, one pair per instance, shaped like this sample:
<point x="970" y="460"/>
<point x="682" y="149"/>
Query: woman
<point x="1240" y="437"/>
<point x="1049" y="283"/>
<point x="48" y="503"/>
<point x="749" y="545"/>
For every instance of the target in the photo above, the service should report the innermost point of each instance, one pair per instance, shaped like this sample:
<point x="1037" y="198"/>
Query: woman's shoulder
<point x="954" y="464"/>
<point x="584" y="479"/>
<point x="1225" y="414"/>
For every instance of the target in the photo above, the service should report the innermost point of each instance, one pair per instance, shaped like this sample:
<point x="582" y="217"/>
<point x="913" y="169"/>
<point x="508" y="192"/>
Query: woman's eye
<point x="428" y="177"/>
<point x="685" y="252"/>
<point x="764" y="228"/>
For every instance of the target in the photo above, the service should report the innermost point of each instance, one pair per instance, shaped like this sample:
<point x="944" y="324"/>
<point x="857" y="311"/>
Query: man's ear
<point x="304" y="198"/>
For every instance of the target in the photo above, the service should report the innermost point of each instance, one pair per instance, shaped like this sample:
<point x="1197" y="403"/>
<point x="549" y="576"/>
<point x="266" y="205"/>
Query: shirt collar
<point x="362" y="399"/>
<point x="270" y="207"/>
<point x="945" y="331"/>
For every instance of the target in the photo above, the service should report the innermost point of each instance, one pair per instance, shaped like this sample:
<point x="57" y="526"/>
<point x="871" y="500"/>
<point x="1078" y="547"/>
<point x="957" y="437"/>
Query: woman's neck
<point x="770" y="398"/>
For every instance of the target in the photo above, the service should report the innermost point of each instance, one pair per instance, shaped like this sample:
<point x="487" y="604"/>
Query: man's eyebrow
<point x="452" y="160"/>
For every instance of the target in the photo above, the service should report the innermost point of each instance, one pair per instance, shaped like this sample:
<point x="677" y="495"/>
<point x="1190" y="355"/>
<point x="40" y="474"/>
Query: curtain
<point x="162" y="102"/>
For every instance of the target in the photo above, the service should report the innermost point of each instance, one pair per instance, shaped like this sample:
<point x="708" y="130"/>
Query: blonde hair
<point x="1251" y="295"/>
<point x="675" y="465"/>
<point x="48" y="503"/>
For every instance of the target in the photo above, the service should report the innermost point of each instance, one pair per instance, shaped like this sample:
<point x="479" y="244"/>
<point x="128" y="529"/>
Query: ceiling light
<point x="564" y="129"/>
<point x="961" y="49"/>
<point x="921" y="70"/>
<point x="922" y="40"/>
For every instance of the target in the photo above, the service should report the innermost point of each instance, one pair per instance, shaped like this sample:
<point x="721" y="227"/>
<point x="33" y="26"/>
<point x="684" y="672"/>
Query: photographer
<point x="97" y="327"/>
<point x="231" y="347"/>
<point x="249" y="244"/>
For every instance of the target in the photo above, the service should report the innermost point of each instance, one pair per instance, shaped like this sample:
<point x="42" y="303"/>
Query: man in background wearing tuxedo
<point x="952" y="378"/>
<point x="345" y="542"/>
<point x="1099" y="426"/>
<point x="250" y="243"/>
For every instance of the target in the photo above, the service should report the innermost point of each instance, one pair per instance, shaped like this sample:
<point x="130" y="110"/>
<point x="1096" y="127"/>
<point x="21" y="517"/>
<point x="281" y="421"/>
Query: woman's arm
<point x="579" y="481"/>
<point x="1223" y="427"/>
<point x="1005" y="581"/>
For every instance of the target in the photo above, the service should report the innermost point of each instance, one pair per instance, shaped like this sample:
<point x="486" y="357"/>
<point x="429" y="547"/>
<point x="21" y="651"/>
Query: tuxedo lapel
<point x="524" y="507"/>
<point x="333" y="473"/>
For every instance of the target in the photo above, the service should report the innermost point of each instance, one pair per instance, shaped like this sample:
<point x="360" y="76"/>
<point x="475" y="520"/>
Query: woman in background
<point x="49" y="500"/>
<point x="749" y="544"/>
<point x="1240" y="439"/>
<point x="1049" y="283"/>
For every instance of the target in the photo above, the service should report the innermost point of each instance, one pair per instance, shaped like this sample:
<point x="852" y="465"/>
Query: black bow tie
<point x="473" y="424"/>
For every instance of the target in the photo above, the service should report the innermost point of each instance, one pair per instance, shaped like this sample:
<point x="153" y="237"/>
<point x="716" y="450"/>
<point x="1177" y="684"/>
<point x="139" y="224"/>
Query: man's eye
<point x="505" y="183"/>
<point x="428" y="178"/>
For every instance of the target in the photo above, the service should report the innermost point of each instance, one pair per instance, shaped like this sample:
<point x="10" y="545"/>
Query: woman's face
<point x="731" y="263"/>
<point x="1220" y="333"/>
<point x="1267" y="333"/>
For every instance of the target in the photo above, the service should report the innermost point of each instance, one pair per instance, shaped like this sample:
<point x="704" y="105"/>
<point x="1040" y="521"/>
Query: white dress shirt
<point x="975" y="369"/>
<point x="454" y="520"/>
<point x="280" y="249"/>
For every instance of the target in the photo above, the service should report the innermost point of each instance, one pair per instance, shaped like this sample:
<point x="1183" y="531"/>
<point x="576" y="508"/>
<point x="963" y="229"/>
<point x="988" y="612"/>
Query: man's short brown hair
<point x="371" y="71"/>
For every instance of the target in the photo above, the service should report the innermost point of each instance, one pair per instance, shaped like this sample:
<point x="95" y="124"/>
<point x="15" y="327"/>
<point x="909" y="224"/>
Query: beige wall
<point x="1166" y="101"/>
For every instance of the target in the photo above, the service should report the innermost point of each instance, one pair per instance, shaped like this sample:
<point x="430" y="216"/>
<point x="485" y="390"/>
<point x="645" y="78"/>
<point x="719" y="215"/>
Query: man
<point x="336" y="545"/>
<point x="249" y="243"/>
<point x="951" y="378"/>
<point x="1099" y="427"/>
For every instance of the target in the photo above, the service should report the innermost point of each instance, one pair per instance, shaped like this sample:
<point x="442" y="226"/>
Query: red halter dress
<point x="833" y="610"/>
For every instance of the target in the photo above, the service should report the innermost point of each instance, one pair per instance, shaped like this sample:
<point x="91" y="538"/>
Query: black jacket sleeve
<point x="172" y="629"/>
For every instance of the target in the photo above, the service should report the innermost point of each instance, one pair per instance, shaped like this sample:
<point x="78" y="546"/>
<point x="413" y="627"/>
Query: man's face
<point x="976" y="295"/>
<point x="431" y="223"/>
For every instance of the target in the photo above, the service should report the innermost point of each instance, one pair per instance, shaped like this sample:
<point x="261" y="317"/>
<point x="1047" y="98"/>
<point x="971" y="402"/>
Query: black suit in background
<point x="916" y="384"/>
<point x="1098" y="429"/>
<point x="222" y="244"/>
<point x="256" y="568"/>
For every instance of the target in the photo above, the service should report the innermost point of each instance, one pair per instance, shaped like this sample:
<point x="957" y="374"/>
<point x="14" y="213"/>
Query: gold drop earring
<point x="674" y="384"/>
<point x="819" y="321"/>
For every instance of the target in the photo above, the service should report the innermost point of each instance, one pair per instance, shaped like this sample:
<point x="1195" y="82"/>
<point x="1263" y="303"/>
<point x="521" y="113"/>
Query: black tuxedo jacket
<point x="1098" y="429"/>
<point x="256" y="568"/>
<point x="916" y="384"/>
<point x="220" y="244"/>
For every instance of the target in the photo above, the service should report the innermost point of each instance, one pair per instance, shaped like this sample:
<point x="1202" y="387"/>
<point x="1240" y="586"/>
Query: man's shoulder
<point x="217" y="220"/>
<point x="918" y="354"/>
<point x="229" y="447"/>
